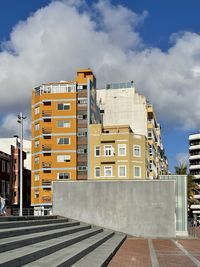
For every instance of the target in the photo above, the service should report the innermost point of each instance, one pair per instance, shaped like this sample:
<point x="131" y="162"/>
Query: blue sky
<point x="160" y="38"/>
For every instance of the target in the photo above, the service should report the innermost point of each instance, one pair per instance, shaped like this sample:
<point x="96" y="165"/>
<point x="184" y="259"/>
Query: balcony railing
<point x="46" y="199"/>
<point x="46" y="113"/>
<point x="47" y="130"/>
<point x="46" y="182"/>
<point x="46" y="164"/>
<point x="46" y="147"/>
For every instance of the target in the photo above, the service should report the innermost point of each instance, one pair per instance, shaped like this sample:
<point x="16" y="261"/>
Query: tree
<point x="192" y="187"/>
<point x="181" y="169"/>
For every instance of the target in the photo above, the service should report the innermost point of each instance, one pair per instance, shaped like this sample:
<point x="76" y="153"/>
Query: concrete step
<point x="68" y="256"/>
<point x="21" y="256"/>
<point x="34" y="229"/>
<point x="102" y="255"/>
<point x="24" y="240"/>
<point x="26" y="223"/>
<point x="27" y="218"/>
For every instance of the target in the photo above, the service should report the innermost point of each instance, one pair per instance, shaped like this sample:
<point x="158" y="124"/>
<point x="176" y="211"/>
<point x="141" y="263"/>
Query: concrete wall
<point x="139" y="208"/>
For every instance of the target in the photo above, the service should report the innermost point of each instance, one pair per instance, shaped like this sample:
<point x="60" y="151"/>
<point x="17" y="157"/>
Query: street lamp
<point x="20" y="120"/>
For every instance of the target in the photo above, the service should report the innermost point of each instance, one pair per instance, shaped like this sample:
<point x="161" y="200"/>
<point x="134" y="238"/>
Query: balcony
<point x="46" y="113"/>
<point x="82" y="140"/>
<point x="194" y="147"/>
<point x="46" y="182"/>
<point x="46" y="130"/>
<point x="46" y="147"/>
<point x="46" y="165"/>
<point x="46" y="199"/>
<point x="194" y="167"/>
<point x="82" y="158"/>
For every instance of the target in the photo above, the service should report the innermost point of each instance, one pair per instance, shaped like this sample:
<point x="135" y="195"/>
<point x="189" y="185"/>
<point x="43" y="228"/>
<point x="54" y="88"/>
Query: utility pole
<point x="20" y="121"/>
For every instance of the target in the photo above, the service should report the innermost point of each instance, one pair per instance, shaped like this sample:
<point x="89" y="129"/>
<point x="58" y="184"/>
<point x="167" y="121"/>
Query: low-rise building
<point x="116" y="152"/>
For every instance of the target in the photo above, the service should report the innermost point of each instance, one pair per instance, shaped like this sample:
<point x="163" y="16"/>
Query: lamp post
<point x="20" y="121"/>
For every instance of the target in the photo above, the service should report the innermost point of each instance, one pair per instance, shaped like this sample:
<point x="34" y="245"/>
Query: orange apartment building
<point x="61" y="113"/>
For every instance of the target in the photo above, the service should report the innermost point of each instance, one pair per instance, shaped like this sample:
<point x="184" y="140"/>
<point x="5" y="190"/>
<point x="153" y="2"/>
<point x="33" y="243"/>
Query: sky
<point x="154" y="43"/>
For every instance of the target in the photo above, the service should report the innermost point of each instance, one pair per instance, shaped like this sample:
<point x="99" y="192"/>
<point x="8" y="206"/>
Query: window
<point x="122" y="171"/>
<point x="8" y="167"/>
<point x="108" y="151"/>
<point x="37" y="177"/>
<point x="37" y="143"/>
<point x="122" y="150"/>
<point x="108" y="171"/>
<point x="137" y="150"/>
<point x="63" y="124"/>
<point x="97" y="172"/>
<point x="97" y="151"/>
<point x="36" y="194"/>
<point x="63" y="106"/>
<point x="63" y="141"/>
<point x="37" y="160"/>
<point x="63" y="175"/>
<point x="37" y="127"/>
<point x="63" y="158"/>
<point x="81" y="151"/>
<point x="137" y="171"/>
<point x="37" y="110"/>
<point x="82" y="168"/>
<point x="3" y="166"/>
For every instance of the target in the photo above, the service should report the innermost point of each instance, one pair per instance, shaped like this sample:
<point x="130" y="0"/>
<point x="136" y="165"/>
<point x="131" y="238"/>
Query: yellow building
<point x="117" y="153"/>
<point x="61" y="112"/>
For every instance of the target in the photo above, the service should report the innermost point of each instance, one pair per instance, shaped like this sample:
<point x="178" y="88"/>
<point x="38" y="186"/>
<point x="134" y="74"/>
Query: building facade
<point x="61" y="113"/>
<point x="120" y="104"/>
<point x="5" y="177"/>
<point x="194" y="160"/>
<point x="117" y="153"/>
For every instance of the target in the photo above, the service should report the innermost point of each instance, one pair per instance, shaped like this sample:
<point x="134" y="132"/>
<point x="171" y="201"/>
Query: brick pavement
<point x="138" y="252"/>
<point x="133" y="252"/>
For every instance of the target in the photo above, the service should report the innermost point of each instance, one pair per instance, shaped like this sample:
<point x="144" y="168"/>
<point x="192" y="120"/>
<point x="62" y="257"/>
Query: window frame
<point x="95" y="151"/>
<point x="65" y="124"/>
<point x="135" y="149"/>
<point x="108" y="148"/>
<point x="140" y="171"/>
<point x="121" y="146"/>
<point x="63" y="143"/>
<point x="119" y="167"/>
<point x="111" y="171"/>
<point x="66" y="158"/>
<point x="95" y="171"/>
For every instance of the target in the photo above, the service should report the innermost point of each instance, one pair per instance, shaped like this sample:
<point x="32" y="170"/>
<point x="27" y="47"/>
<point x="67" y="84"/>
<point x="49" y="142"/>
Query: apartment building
<point x="117" y="153"/>
<point x="10" y="175"/>
<point x="121" y="104"/>
<point x="158" y="164"/>
<point x="61" y="112"/>
<point x="194" y="159"/>
<point x="4" y="174"/>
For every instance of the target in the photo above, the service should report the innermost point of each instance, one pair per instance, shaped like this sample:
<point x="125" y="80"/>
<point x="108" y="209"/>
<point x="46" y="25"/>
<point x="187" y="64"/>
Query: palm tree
<point x="192" y="186"/>
<point x="181" y="169"/>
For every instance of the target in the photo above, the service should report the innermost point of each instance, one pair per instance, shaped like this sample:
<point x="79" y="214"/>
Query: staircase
<point x="55" y="241"/>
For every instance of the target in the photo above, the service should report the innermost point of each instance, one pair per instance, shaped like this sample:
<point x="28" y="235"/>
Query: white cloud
<point x="181" y="158"/>
<point x="61" y="37"/>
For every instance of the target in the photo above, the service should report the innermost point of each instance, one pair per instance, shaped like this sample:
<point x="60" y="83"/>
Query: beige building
<point x="121" y="104"/>
<point x="117" y="153"/>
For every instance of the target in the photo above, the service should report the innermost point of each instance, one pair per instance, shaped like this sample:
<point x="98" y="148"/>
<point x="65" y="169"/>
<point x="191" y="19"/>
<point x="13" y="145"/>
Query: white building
<point x="194" y="159"/>
<point x="120" y="104"/>
<point x="5" y="146"/>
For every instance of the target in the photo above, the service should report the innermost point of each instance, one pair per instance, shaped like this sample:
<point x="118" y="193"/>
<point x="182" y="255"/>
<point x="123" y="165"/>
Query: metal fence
<point x="25" y="211"/>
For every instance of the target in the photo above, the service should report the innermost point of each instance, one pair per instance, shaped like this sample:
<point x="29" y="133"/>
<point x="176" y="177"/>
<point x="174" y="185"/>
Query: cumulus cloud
<point x="66" y="35"/>
<point x="181" y="158"/>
